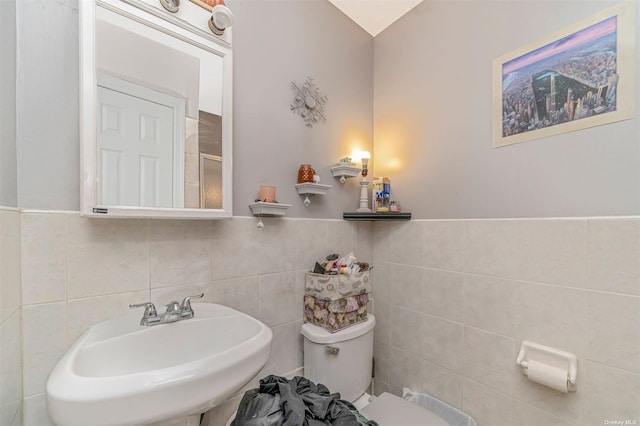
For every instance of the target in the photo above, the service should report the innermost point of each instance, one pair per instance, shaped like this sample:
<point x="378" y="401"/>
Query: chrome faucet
<point x="174" y="312"/>
<point x="150" y="316"/>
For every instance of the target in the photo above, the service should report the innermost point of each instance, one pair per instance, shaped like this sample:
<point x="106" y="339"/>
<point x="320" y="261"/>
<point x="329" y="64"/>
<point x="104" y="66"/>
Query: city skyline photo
<point x="569" y="78"/>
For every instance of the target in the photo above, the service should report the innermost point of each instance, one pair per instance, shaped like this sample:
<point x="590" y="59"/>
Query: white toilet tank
<point x="341" y="361"/>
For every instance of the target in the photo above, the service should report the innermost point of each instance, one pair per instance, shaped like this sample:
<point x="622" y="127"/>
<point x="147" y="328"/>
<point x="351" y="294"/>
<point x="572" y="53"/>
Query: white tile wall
<point x="486" y="405"/>
<point x="526" y="415"/>
<point x="239" y="293"/>
<point x="442" y="292"/>
<point x="443" y="244"/>
<point x="278" y="303"/>
<point x="499" y="294"/>
<point x="484" y="286"/>
<point x="45" y="341"/>
<point x="552" y="251"/>
<point x="442" y="383"/>
<point x="106" y="256"/>
<point x="551" y="315"/>
<point x="489" y="359"/>
<point x="453" y="300"/>
<point x="441" y="342"/>
<point x="44" y="258"/>
<point x="11" y="388"/>
<point x="10" y="368"/>
<point x="10" y="289"/>
<point x="613" y="330"/>
<point x="79" y="272"/>
<point x="613" y="250"/>
<point x="611" y="394"/>
<point x="179" y="253"/>
<point x="491" y="248"/>
<point x="411" y="336"/>
<point x="226" y="243"/>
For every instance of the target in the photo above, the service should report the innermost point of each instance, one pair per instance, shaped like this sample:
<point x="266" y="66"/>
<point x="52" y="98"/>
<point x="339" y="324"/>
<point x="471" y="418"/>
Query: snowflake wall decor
<point x="308" y="102"/>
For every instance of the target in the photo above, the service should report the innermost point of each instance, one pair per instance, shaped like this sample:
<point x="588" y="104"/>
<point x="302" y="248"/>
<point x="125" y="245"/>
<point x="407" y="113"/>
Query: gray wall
<point x="275" y="42"/>
<point x="8" y="184"/>
<point x="432" y="126"/>
<point x="47" y="104"/>
<point x="433" y="120"/>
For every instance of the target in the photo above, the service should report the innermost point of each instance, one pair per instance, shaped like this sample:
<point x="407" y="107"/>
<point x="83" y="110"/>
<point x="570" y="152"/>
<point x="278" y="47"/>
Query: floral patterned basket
<point x="334" y="315"/>
<point x="336" y="287"/>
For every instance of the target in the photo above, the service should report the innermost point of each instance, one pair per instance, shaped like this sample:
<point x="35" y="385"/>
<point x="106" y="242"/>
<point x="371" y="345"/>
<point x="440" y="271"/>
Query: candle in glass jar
<point x="305" y="173"/>
<point x="267" y="193"/>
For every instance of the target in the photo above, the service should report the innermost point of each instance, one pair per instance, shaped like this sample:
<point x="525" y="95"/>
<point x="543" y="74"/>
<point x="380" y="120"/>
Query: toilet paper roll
<point x="545" y="374"/>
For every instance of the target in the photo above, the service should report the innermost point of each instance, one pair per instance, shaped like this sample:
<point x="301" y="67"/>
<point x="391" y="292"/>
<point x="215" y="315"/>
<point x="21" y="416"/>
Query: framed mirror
<point x="155" y="112"/>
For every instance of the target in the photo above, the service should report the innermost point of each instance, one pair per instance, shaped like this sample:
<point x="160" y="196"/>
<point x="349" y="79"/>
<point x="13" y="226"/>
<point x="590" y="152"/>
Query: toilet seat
<point x="362" y="401"/>
<point x="391" y="410"/>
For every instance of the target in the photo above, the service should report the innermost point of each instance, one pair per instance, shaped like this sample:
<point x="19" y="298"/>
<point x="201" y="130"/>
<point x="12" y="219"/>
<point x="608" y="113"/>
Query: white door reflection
<point x="140" y="145"/>
<point x="174" y="74"/>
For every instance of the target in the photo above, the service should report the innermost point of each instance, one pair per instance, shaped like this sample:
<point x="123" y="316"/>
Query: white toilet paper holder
<point x="551" y="356"/>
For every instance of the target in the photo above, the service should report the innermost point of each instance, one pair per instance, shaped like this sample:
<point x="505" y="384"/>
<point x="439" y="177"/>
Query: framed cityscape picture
<point x="582" y="76"/>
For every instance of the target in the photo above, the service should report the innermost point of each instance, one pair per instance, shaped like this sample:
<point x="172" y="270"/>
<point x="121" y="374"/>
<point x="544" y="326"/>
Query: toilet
<point x="342" y="361"/>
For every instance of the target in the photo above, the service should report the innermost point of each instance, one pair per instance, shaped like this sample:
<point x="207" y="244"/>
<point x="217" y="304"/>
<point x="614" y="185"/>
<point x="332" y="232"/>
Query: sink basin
<point x="122" y="373"/>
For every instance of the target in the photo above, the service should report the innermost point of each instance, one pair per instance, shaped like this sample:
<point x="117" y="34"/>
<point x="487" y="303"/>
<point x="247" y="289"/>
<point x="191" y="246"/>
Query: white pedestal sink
<point x="122" y="373"/>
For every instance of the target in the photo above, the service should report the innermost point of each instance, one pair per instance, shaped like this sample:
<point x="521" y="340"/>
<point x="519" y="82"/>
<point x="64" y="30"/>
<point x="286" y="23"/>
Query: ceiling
<point x="375" y="15"/>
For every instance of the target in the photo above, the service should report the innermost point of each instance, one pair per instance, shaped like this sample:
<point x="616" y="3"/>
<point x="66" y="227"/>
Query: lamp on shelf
<point x="364" y="184"/>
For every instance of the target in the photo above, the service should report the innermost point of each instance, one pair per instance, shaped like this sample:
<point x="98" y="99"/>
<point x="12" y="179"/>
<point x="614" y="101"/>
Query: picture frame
<point x="579" y="77"/>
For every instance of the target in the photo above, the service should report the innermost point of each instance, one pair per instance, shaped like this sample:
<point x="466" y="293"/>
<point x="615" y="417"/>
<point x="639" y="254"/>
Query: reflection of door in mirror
<point x="165" y="111"/>
<point x="140" y="145"/>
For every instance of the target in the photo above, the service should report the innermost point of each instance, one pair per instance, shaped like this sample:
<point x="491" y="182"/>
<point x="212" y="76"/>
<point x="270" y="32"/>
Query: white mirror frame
<point x="141" y="11"/>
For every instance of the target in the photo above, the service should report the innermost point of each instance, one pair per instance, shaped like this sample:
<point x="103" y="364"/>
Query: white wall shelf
<point x="309" y="188"/>
<point x="345" y="171"/>
<point x="262" y="208"/>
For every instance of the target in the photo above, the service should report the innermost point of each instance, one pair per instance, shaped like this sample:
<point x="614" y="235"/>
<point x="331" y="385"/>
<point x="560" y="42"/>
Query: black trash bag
<point x="295" y="402"/>
<point x="257" y="409"/>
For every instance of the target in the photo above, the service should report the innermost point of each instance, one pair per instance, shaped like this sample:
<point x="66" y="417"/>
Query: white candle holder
<point x="364" y="188"/>
<point x="364" y="196"/>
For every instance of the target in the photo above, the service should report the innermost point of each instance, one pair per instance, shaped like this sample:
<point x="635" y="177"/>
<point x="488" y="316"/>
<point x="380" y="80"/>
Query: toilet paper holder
<point x="530" y="351"/>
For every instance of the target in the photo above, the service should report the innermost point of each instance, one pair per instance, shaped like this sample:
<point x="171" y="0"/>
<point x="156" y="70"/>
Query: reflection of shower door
<point x="210" y="181"/>
<point x="136" y="150"/>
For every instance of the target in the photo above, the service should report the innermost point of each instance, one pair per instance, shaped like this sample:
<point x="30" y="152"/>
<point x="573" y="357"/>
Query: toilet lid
<point x="391" y="410"/>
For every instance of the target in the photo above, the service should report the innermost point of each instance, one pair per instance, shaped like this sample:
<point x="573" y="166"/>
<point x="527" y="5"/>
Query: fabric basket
<point x="336" y="287"/>
<point x="335" y="315"/>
